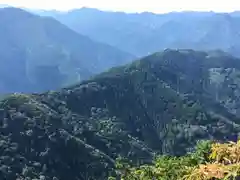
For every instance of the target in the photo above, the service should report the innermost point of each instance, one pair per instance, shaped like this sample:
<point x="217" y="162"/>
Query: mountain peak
<point x="15" y="13"/>
<point x="37" y="48"/>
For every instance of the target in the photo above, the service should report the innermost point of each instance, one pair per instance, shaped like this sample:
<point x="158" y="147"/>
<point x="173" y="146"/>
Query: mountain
<point x="161" y="104"/>
<point x="145" y="33"/>
<point x="39" y="53"/>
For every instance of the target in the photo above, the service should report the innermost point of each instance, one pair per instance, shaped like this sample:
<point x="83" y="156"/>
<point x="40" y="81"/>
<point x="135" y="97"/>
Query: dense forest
<point x="209" y="161"/>
<point x="131" y="121"/>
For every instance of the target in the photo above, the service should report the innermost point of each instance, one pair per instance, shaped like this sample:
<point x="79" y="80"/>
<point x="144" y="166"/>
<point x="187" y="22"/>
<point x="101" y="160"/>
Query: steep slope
<point x="39" y="54"/>
<point x="161" y="104"/>
<point x="146" y="33"/>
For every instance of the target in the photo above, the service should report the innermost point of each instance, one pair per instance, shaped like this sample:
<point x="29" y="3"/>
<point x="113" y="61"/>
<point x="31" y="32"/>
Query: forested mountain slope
<point x="39" y="53"/>
<point x="161" y="104"/>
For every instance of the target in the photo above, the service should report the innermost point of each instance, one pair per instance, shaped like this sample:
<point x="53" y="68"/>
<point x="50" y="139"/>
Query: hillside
<point x="209" y="161"/>
<point x="39" y="53"/>
<point x="161" y="104"/>
<point x="144" y="33"/>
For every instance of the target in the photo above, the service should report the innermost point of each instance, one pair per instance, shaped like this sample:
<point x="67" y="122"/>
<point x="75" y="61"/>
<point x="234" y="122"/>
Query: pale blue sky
<point x="157" y="6"/>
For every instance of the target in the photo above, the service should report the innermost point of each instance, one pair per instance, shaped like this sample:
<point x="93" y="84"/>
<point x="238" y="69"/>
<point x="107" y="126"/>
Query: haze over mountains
<point x="146" y="33"/>
<point x="39" y="53"/>
<point x="104" y="102"/>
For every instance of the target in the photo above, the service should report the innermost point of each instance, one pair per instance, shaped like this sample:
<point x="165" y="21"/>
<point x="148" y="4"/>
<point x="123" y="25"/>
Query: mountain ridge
<point x="36" y="48"/>
<point x="146" y="33"/>
<point x="161" y="104"/>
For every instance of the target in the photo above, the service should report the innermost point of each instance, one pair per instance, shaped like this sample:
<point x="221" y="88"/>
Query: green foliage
<point x="166" y="167"/>
<point x="189" y="167"/>
<point x="139" y="112"/>
<point x="202" y="151"/>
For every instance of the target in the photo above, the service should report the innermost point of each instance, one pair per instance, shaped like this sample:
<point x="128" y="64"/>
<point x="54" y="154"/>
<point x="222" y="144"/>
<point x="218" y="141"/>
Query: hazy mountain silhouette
<point x="39" y="53"/>
<point x="144" y="33"/>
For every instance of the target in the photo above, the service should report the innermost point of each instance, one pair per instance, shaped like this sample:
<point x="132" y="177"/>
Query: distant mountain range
<point x="145" y="33"/>
<point x="40" y="53"/>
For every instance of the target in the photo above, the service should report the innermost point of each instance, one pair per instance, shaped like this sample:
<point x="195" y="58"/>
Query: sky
<point x="156" y="6"/>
